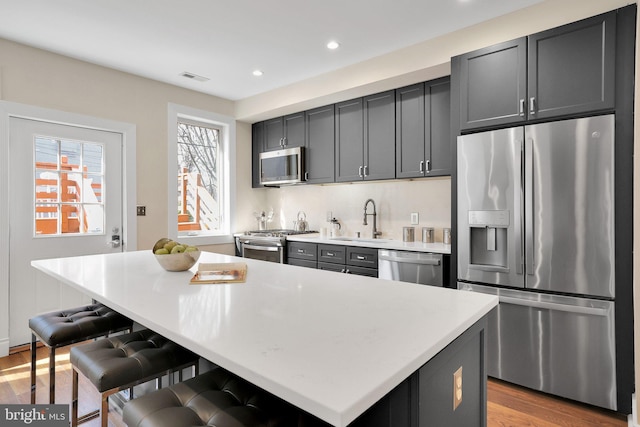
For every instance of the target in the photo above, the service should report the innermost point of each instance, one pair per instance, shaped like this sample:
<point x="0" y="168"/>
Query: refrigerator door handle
<point x="519" y="208"/>
<point x="528" y="212"/>
<point x="591" y="311"/>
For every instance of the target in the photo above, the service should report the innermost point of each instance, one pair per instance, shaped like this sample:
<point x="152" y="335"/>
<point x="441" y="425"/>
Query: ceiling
<point x="225" y="41"/>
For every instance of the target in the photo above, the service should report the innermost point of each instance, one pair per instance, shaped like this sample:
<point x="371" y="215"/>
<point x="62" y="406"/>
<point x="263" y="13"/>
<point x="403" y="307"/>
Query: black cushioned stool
<point x="61" y="328"/>
<point x="215" y="398"/>
<point x="123" y="361"/>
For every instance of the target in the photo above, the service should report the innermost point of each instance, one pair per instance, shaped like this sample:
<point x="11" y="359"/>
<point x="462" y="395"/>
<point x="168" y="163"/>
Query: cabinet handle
<point x="360" y="171"/>
<point x="532" y="105"/>
<point x="300" y="251"/>
<point x="347" y="271"/>
<point x="281" y="142"/>
<point x="330" y="254"/>
<point x="306" y="176"/>
<point x="361" y="258"/>
<point x="428" y="166"/>
<point x="284" y="141"/>
<point x="522" y="103"/>
<point x="421" y="166"/>
<point x="366" y="169"/>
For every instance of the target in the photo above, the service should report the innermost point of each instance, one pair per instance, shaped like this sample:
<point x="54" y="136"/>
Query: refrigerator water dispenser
<point x="488" y="238"/>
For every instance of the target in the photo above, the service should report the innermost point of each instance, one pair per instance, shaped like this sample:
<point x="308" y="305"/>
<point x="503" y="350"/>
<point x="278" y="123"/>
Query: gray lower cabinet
<point x="423" y="131"/>
<point x="319" y="145"/>
<point x="302" y="254"/>
<point x="365" y="138"/>
<point x="563" y="71"/>
<point x="340" y="258"/>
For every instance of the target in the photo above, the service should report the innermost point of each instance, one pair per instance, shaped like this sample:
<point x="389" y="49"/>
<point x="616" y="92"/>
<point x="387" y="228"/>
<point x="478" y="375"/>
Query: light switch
<point x="414" y="218"/>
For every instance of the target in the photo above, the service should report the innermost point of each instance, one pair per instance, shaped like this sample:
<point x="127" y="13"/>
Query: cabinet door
<point x="273" y="134"/>
<point x="571" y="69"/>
<point x="362" y="257"/>
<point x="320" y="146"/>
<point x="380" y="136"/>
<point x="293" y="132"/>
<point x="493" y="85"/>
<point x="349" y="141"/>
<point x="302" y="250"/>
<point x="438" y="140"/>
<point x="410" y="131"/>
<point x="257" y="133"/>
<point x="334" y="254"/>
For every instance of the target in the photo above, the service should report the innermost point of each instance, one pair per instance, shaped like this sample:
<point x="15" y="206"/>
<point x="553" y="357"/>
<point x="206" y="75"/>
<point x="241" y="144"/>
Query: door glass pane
<point x="69" y="187"/>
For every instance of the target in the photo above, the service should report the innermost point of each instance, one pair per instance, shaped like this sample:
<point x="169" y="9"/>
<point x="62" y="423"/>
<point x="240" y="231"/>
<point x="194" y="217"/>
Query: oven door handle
<point x="263" y="248"/>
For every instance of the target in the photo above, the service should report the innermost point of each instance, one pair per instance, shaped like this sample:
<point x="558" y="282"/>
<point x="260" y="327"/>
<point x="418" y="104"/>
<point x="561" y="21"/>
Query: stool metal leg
<point x="74" y="399"/>
<point x="52" y="375"/>
<point x="33" y="368"/>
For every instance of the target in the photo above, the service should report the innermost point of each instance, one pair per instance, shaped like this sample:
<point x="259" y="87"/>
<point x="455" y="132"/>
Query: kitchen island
<point x="334" y="345"/>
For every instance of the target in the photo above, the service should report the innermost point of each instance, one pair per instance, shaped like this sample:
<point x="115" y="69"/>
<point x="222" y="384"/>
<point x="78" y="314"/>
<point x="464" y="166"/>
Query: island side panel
<point x="425" y="399"/>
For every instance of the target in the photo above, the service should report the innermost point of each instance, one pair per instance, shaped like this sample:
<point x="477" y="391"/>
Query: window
<point x="201" y="150"/>
<point x="68" y="190"/>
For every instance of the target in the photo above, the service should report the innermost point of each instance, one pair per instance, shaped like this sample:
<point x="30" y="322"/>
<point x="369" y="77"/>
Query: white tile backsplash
<point x="395" y="200"/>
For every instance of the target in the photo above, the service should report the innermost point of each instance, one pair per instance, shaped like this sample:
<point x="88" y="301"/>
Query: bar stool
<point x="215" y="398"/>
<point x="117" y="363"/>
<point x="62" y="328"/>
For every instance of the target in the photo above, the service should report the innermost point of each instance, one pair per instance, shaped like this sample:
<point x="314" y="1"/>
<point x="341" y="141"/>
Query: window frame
<point x="228" y="177"/>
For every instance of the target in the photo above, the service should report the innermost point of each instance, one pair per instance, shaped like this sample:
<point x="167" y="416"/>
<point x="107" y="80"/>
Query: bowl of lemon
<point x="175" y="256"/>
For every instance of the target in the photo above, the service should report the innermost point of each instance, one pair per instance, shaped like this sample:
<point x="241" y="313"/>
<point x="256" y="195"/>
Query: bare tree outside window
<point x="198" y="178"/>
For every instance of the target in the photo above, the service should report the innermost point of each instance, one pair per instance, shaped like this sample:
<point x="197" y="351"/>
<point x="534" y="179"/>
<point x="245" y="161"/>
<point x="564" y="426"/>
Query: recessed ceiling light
<point x="333" y="45"/>
<point x="257" y="73"/>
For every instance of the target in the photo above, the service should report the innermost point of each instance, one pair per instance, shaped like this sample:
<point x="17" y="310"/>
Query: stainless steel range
<point x="265" y="245"/>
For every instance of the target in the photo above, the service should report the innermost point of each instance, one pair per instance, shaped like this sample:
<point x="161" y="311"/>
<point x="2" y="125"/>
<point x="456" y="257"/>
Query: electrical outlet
<point x="141" y="210"/>
<point x="414" y="218"/>
<point x="457" y="388"/>
<point x="329" y="216"/>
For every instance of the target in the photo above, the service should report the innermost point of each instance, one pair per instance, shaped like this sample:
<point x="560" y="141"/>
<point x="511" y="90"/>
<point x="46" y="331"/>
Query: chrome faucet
<point x="374" y="233"/>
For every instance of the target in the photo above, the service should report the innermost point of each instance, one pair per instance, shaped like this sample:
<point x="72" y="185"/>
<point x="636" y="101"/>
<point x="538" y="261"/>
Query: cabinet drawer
<point x="362" y="271"/>
<point x="301" y="250"/>
<point x="331" y="267"/>
<point x="332" y="254"/>
<point x="363" y="257"/>
<point x="301" y="262"/>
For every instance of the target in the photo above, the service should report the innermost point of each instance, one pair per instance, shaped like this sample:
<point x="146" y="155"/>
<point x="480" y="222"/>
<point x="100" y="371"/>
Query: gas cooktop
<point x="276" y="232"/>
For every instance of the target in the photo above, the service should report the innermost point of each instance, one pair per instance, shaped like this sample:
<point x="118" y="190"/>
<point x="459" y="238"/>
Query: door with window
<point x="65" y="196"/>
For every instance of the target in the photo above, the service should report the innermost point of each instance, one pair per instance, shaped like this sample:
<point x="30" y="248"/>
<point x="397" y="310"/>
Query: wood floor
<point x="508" y="405"/>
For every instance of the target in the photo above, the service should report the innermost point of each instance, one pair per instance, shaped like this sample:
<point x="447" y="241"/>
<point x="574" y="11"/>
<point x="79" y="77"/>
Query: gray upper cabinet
<point x="284" y="132"/>
<point x="257" y="139"/>
<point x="319" y="146"/>
<point x="560" y="72"/>
<point x="365" y="138"/>
<point x="493" y="86"/>
<point x="379" y="136"/>
<point x="581" y="59"/>
<point x="349" y="141"/>
<point x="423" y="130"/>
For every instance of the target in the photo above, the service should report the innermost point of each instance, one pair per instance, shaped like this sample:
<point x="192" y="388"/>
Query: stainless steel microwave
<point x="282" y="166"/>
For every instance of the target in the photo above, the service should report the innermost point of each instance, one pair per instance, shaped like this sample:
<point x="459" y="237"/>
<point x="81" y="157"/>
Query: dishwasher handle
<point x="424" y="261"/>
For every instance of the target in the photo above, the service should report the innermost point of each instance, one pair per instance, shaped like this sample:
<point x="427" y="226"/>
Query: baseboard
<point x="634" y="412"/>
<point x="4" y="347"/>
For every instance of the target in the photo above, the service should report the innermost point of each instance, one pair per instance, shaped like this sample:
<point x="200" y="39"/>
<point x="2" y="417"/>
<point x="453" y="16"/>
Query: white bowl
<point x="178" y="262"/>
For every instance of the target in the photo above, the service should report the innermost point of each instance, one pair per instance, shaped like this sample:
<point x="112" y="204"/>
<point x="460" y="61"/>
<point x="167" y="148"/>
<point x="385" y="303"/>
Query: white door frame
<point x="129" y="225"/>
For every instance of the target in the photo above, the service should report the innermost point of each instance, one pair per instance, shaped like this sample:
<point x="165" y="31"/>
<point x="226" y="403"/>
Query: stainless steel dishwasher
<point x="414" y="267"/>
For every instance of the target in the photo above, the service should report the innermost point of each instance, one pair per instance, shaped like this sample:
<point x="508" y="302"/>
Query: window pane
<point x="68" y="186"/>
<point x="46" y="153"/>
<point x="198" y="174"/>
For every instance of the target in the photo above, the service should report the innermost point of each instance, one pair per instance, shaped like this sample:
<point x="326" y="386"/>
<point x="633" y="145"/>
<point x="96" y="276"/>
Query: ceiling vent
<point x="194" y="76"/>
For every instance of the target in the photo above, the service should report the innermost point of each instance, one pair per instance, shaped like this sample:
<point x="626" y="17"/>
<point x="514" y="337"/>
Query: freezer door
<point x="569" y="210"/>
<point x="557" y="344"/>
<point x="490" y="207"/>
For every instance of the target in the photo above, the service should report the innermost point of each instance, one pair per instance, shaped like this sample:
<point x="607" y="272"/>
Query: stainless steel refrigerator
<point x="536" y="228"/>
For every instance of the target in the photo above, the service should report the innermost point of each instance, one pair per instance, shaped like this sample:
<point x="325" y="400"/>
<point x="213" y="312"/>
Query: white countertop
<point x="436" y="248"/>
<point x="332" y="344"/>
